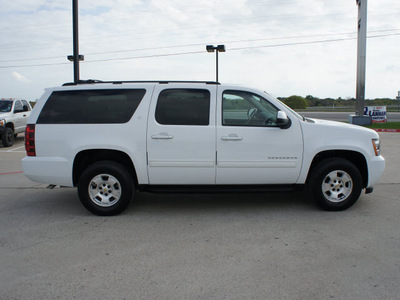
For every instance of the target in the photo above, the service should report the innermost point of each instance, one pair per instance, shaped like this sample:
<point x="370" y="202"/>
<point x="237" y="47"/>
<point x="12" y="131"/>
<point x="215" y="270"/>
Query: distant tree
<point x="380" y="102"/>
<point x="32" y="103"/>
<point x="296" y="102"/>
<point x="312" y="101"/>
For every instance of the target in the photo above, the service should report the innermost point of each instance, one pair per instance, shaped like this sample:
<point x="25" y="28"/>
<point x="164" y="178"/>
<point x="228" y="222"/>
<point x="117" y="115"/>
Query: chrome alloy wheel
<point x="105" y="190"/>
<point x="337" y="186"/>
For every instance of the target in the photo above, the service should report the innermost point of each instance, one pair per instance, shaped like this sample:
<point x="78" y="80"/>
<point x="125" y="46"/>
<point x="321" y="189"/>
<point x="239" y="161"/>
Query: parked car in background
<point x="14" y="115"/>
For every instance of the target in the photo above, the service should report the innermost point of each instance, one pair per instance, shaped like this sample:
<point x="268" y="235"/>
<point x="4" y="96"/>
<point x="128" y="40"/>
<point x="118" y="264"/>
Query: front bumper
<point x="376" y="167"/>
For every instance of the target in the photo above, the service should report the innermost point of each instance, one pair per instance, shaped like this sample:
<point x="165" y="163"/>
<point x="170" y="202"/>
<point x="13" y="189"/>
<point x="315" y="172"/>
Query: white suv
<point x="109" y="138"/>
<point x="14" y="115"/>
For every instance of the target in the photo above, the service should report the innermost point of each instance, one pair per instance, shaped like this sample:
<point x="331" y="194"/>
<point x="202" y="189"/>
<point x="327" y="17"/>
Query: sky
<point x="285" y="47"/>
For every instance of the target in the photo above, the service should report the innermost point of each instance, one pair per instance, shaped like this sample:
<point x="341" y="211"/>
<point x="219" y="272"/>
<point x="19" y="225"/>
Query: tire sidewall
<point x="322" y="170"/>
<point x="8" y="137"/>
<point x="114" y="169"/>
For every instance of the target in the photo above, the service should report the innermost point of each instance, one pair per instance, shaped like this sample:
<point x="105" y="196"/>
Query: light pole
<point x="76" y="57"/>
<point x="359" y="117"/>
<point x="361" y="53"/>
<point x="219" y="48"/>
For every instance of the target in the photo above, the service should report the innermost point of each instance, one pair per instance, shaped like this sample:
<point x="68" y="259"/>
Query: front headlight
<point x="3" y="122"/>
<point x="376" y="143"/>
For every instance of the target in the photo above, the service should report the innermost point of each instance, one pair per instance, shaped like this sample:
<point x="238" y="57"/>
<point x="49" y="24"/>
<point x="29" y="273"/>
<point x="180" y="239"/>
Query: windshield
<point x="5" y="106"/>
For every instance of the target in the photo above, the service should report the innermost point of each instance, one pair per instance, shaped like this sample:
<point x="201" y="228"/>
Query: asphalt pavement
<point x="218" y="246"/>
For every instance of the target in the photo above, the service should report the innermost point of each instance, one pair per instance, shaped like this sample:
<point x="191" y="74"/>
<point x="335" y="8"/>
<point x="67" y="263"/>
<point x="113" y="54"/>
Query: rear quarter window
<point x="91" y="106"/>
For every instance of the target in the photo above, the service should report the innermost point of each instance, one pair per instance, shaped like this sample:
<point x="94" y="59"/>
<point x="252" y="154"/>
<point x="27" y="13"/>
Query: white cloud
<point x="20" y="77"/>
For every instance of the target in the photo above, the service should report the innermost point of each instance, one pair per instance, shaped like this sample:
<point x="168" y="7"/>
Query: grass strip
<point x="387" y="125"/>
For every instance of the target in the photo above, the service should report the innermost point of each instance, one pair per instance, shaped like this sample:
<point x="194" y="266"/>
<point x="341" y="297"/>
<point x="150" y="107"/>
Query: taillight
<point x="30" y="140"/>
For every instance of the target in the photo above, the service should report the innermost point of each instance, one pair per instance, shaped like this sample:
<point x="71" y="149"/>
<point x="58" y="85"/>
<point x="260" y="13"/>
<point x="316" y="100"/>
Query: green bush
<point x="296" y="102"/>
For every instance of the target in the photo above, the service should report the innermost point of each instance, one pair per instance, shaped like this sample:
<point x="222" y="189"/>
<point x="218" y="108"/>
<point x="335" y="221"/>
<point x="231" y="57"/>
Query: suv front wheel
<point x="8" y="137"/>
<point x="335" y="184"/>
<point x="105" y="188"/>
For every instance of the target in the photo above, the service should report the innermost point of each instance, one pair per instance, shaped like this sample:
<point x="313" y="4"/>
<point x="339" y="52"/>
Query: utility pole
<point x="359" y="117"/>
<point x="75" y="57"/>
<point x="361" y="55"/>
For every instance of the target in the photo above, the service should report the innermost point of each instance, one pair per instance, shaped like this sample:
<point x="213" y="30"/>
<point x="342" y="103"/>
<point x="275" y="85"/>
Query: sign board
<point x="377" y="113"/>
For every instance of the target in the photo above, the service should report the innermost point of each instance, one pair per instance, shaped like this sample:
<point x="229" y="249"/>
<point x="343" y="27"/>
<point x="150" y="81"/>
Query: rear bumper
<point x="49" y="170"/>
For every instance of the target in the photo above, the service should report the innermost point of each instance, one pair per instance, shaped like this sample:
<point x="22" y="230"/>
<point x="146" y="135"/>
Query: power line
<point x="203" y="52"/>
<point x="191" y="9"/>
<point x="200" y="25"/>
<point x="311" y="42"/>
<point x="199" y="44"/>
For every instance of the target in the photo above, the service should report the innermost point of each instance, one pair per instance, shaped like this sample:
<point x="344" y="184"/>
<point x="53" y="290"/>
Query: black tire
<point x="105" y="188"/>
<point x="335" y="184"/>
<point x="8" y="137"/>
<point x="15" y="135"/>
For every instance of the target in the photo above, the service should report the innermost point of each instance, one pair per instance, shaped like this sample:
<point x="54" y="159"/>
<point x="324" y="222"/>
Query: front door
<point x="251" y="148"/>
<point x="181" y="135"/>
<point x="19" y="119"/>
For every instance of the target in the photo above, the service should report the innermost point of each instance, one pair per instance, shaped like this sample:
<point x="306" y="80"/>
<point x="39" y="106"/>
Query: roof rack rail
<point x="94" y="81"/>
<point x="88" y="81"/>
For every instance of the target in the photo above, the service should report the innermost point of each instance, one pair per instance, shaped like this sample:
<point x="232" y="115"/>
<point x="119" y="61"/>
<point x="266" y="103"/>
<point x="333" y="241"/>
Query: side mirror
<point x="282" y="120"/>
<point x="25" y="108"/>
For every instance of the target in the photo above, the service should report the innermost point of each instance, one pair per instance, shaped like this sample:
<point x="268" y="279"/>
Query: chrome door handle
<point x="161" y="137"/>
<point x="231" y="138"/>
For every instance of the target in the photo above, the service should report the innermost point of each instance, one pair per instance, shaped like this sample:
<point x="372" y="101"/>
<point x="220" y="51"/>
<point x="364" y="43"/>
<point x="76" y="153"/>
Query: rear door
<point x="181" y="135"/>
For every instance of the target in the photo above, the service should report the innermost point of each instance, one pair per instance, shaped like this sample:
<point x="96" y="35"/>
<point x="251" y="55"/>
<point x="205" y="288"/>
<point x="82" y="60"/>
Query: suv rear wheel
<point x="335" y="184"/>
<point x="105" y="188"/>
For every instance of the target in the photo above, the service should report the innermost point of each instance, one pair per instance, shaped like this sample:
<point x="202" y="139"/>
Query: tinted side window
<point x="91" y="106"/>
<point x="18" y="107"/>
<point x="24" y="102"/>
<point x="183" y="107"/>
<point x="241" y="108"/>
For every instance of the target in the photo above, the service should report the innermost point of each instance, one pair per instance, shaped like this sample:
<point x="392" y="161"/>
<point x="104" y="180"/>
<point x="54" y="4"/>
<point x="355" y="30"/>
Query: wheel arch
<point x="10" y="125"/>
<point x="87" y="157"/>
<point x="354" y="157"/>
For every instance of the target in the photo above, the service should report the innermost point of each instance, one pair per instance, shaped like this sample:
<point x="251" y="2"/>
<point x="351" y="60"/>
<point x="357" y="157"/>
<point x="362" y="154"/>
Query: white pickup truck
<point x="14" y="115"/>
<point x="109" y="138"/>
